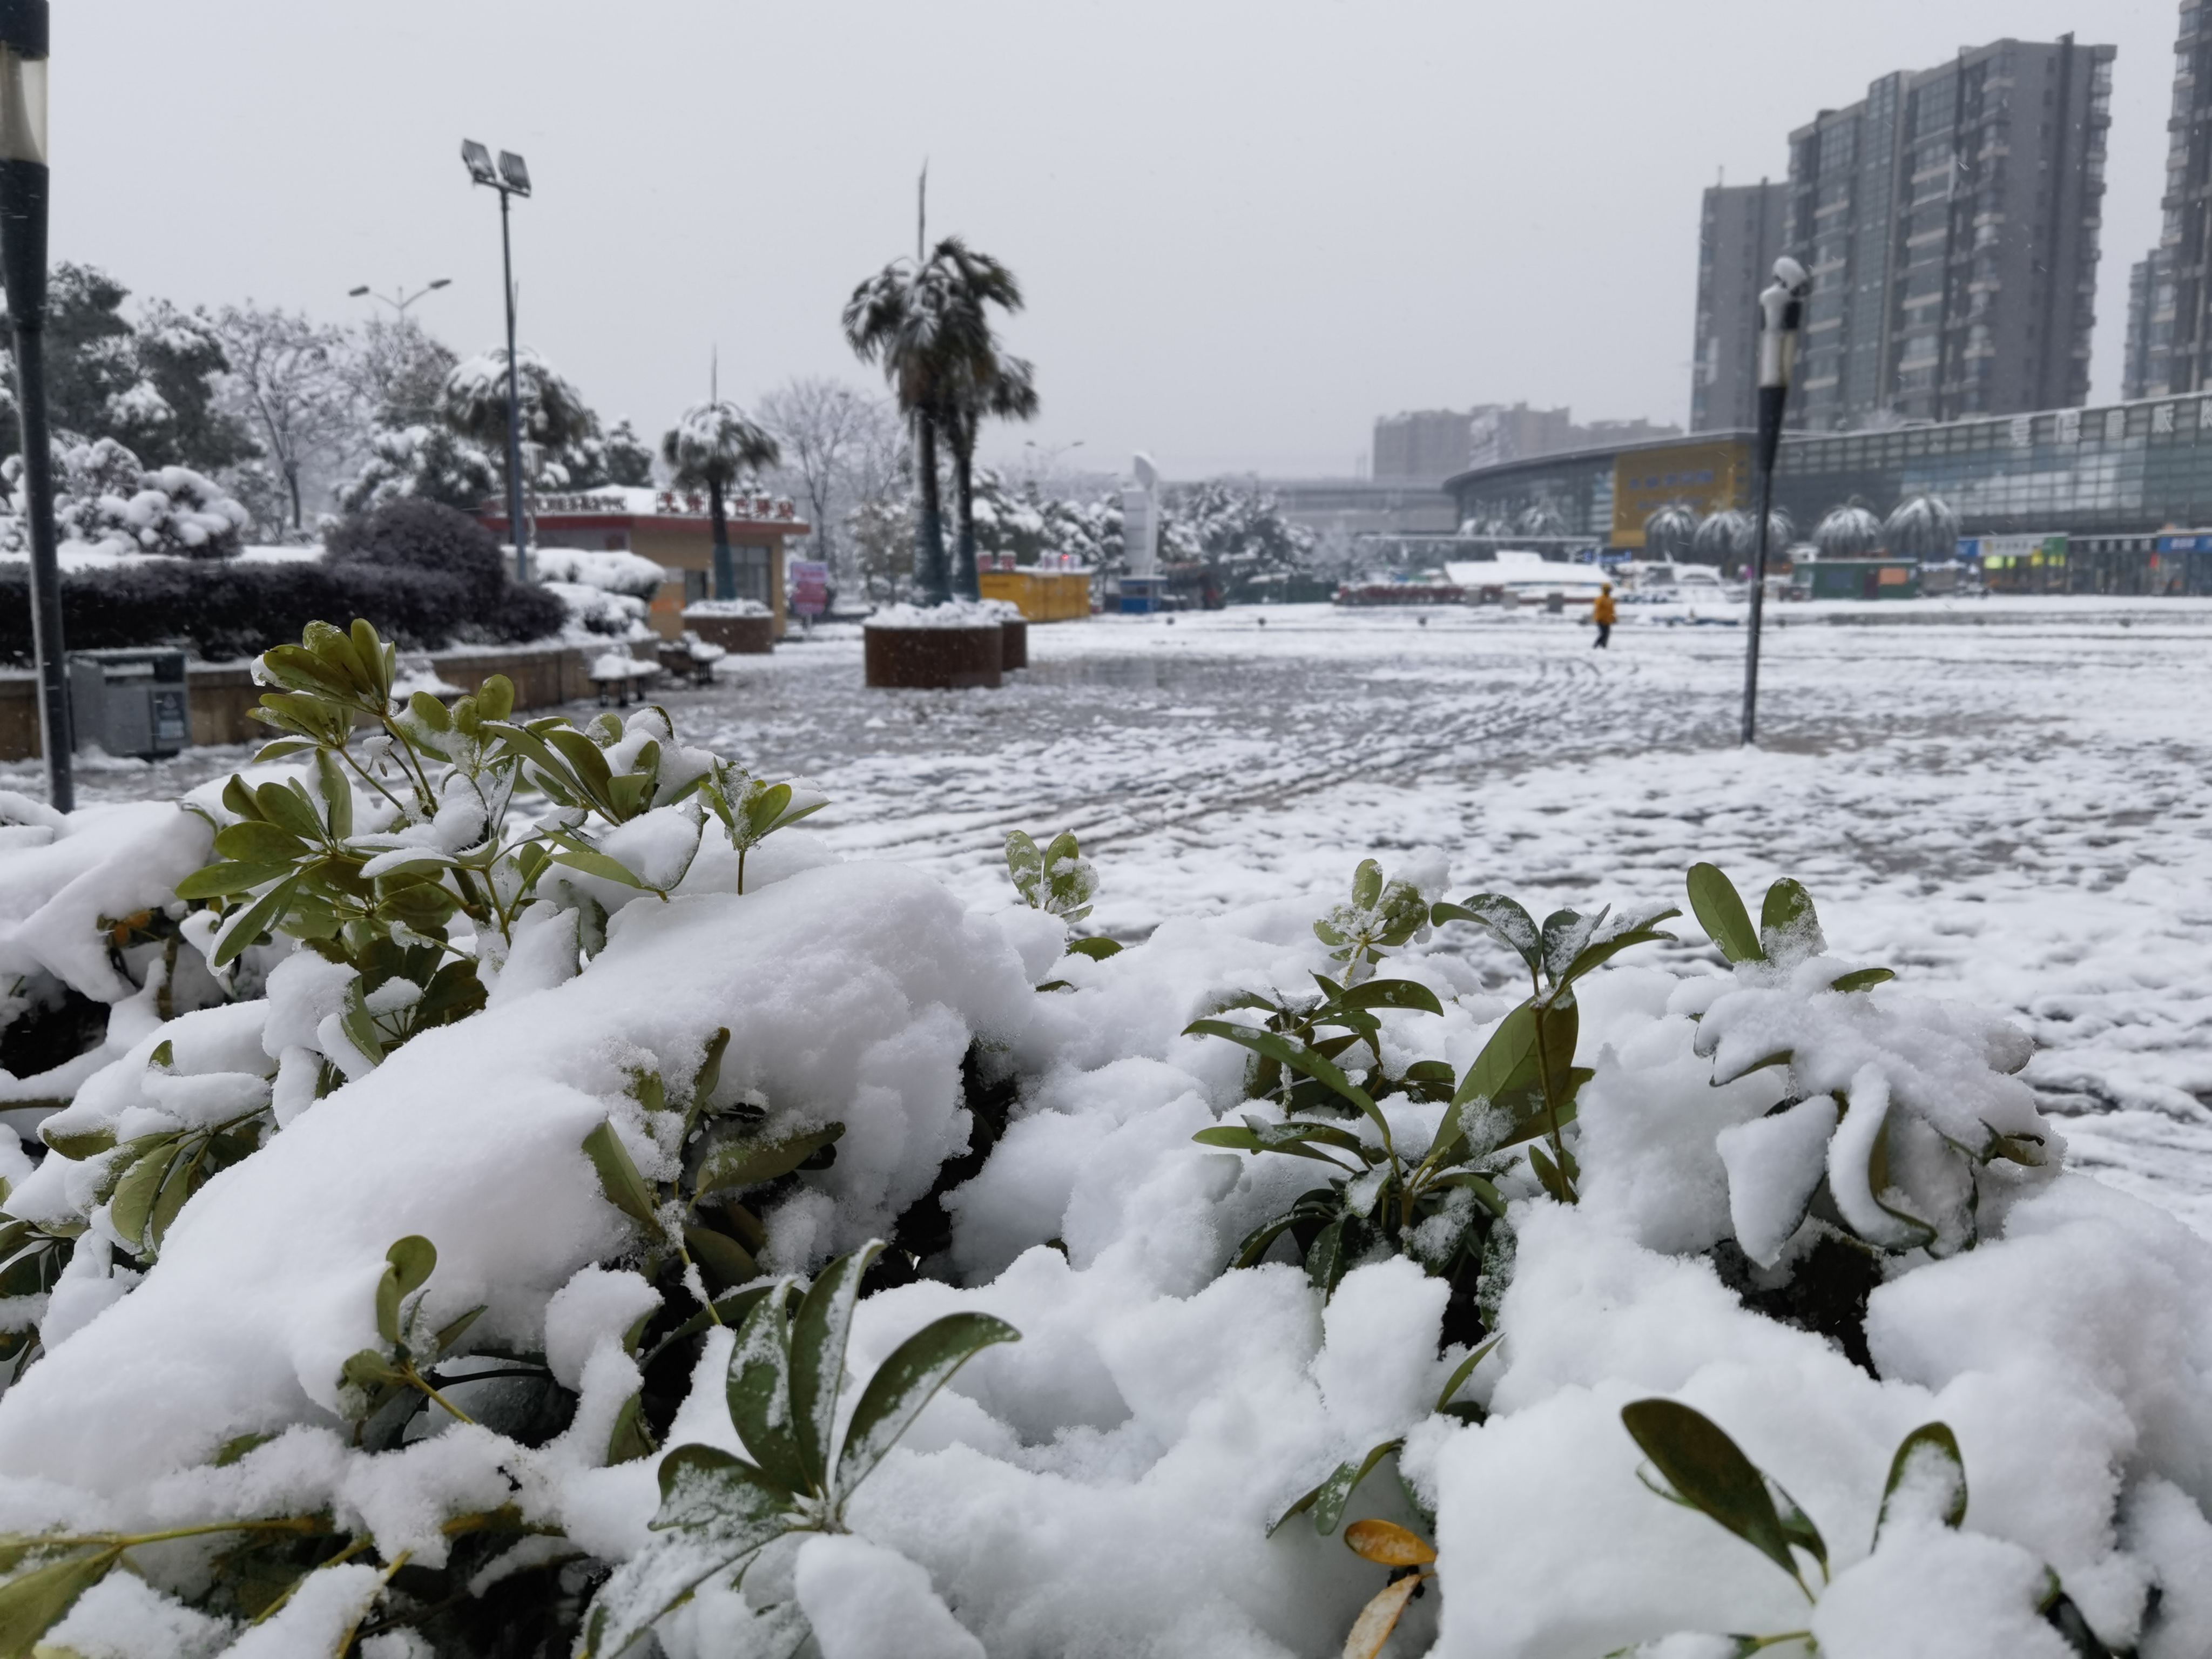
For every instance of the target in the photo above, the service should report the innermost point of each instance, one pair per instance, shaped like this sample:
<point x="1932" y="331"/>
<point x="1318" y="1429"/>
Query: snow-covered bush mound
<point x="526" y="1194"/>
<point x="617" y="572"/>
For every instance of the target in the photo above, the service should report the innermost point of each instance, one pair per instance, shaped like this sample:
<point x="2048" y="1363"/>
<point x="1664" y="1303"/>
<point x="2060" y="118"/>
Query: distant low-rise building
<point x="1429" y="446"/>
<point x="673" y="529"/>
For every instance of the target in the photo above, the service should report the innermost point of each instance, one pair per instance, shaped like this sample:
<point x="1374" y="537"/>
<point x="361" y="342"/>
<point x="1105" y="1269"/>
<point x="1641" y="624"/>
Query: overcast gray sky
<point x="1247" y="227"/>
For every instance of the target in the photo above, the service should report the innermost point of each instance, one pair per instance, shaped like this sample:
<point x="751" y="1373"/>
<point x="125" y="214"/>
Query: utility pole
<point x="511" y="178"/>
<point x="1780" y="314"/>
<point x="23" y="254"/>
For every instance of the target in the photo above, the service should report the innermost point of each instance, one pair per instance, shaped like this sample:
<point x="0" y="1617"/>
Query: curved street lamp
<point x="510" y="178"/>
<point x="23" y="264"/>
<point x="402" y="299"/>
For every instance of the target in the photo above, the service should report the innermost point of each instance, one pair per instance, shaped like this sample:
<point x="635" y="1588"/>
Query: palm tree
<point x="983" y="383"/>
<point x="712" y="446"/>
<point x="1670" y="532"/>
<point x="925" y="320"/>
<point x="1923" y="527"/>
<point x="1848" y="531"/>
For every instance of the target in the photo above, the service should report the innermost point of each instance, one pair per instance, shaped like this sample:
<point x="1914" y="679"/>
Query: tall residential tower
<point x="1742" y="229"/>
<point x="1949" y="218"/>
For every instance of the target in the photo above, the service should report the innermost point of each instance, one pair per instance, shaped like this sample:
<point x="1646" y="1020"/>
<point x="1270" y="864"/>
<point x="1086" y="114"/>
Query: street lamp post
<point x="402" y="298"/>
<point x="23" y="255"/>
<point x="511" y="178"/>
<point x="1781" y="313"/>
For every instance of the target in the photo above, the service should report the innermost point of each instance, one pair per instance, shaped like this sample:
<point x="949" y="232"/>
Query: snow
<point x="1992" y="803"/>
<point x="959" y="613"/>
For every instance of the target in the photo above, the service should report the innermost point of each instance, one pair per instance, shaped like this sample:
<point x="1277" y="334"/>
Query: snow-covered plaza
<point x="2005" y="799"/>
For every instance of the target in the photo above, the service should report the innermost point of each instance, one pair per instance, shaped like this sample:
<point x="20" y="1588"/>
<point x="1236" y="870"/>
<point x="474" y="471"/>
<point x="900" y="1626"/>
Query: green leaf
<point x="1504" y="1075"/>
<point x="238" y="1446"/>
<point x="338" y="795"/>
<point x="369" y="1370"/>
<point x="287" y="807"/>
<point x="78" y="1145"/>
<point x="737" y="1163"/>
<point x="630" y="1439"/>
<point x="1367" y="884"/>
<point x="408" y="1266"/>
<point x="710" y="1063"/>
<point x="907" y="1382"/>
<point x="1707" y="1471"/>
<point x="1326" y="1258"/>
<point x="1506" y="920"/>
<point x="818" y="1334"/>
<point x="221" y="880"/>
<point x="1097" y="949"/>
<point x="1931" y="1451"/>
<point x="759" y="1393"/>
<point x="1390" y="994"/>
<point x="1548" y="1174"/>
<point x="593" y="862"/>
<point x="496" y="698"/>
<point x="624" y="1187"/>
<point x="253" y="842"/>
<point x="132" y="1206"/>
<point x="720" y="1255"/>
<point x="1788" y="927"/>
<point x="1025" y="868"/>
<point x="1297" y="1058"/>
<point x="33" y="1603"/>
<point x="257" y="918"/>
<point x="715" y="1510"/>
<point x="1465" y="1369"/>
<point x="446" y="1336"/>
<point x="1719" y="911"/>
<point x="1600" y="951"/>
<point x="729" y="1309"/>
<point x="1327" y="1501"/>
<point x="1861" y="979"/>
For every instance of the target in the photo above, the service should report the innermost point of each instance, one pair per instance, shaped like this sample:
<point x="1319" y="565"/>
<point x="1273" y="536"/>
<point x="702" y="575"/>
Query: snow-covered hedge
<point x="461" y="1239"/>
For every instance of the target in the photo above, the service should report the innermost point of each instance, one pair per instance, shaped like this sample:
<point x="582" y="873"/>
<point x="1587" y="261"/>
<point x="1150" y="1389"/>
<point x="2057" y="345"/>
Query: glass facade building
<point x="2124" y="471"/>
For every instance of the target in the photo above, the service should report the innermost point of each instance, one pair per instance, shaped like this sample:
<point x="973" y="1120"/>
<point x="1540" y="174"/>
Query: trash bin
<point x="130" y="702"/>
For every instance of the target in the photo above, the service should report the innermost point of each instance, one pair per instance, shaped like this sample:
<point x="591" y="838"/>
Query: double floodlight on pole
<point x="1781" y="315"/>
<point x="510" y="178"/>
<point x="23" y="264"/>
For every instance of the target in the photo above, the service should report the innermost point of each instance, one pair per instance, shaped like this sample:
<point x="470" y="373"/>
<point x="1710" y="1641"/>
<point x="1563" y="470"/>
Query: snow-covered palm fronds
<point x="1922" y="528"/>
<point x="1848" y="531"/>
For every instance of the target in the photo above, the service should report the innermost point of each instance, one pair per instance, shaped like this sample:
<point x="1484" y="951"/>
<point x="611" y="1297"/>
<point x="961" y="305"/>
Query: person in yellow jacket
<point x="1602" y="613"/>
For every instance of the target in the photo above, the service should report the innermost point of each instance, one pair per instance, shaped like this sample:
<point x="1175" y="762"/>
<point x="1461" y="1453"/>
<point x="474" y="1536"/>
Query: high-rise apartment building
<point x="1949" y="220"/>
<point x="2146" y="367"/>
<point x="1742" y="229"/>
<point x="2177" y="320"/>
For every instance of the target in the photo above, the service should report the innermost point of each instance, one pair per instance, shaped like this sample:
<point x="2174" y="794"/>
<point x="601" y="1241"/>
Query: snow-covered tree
<point x="557" y="424"/>
<point x="148" y="383"/>
<point x="826" y="431"/>
<point x="1716" y="538"/>
<point x="426" y="462"/>
<point x="1237" y="530"/>
<point x="625" y="458"/>
<point x="711" y="447"/>
<point x="287" y="382"/>
<point x="1671" y="532"/>
<point x="1922" y="528"/>
<point x="1848" y="531"/>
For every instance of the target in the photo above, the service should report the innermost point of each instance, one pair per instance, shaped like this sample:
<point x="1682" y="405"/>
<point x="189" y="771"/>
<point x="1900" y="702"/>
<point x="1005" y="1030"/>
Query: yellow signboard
<point x="1705" y="477"/>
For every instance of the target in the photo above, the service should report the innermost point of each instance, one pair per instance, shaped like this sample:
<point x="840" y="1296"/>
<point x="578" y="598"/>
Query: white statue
<point x="1140" y="520"/>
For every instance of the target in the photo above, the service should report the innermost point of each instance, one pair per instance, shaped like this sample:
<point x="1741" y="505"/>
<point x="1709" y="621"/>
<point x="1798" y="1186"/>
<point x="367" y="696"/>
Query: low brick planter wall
<point x="1014" y="644"/>
<point x="223" y="694"/>
<point x="749" y="636"/>
<point x="935" y="659"/>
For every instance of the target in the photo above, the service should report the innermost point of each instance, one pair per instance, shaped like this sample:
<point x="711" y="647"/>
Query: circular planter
<point x="751" y="636"/>
<point x="934" y="658"/>
<point x="1014" y="644"/>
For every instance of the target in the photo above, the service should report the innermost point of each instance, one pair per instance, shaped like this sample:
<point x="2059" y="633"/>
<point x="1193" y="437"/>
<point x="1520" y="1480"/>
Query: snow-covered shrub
<point x="1901" y="1122"/>
<point x="787" y="1372"/>
<point x="106" y="503"/>
<point x="516" y="1205"/>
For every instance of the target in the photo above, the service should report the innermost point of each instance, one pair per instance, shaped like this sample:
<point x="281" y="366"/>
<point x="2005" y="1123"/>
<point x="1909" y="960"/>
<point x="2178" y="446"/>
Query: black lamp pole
<point x="1781" y="313"/>
<point x="510" y="179"/>
<point x="23" y="255"/>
